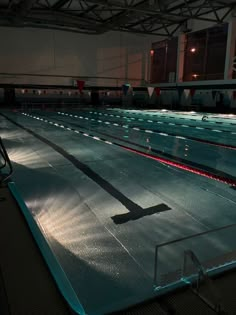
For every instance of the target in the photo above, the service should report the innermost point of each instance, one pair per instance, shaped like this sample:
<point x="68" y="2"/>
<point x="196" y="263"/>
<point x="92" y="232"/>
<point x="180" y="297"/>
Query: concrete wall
<point x="122" y="56"/>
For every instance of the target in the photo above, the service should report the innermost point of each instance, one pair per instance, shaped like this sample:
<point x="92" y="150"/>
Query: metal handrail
<point x="183" y="239"/>
<point x="7" y="161"/>
<point x="202" y="275"/>
<point x="3" y="158"/>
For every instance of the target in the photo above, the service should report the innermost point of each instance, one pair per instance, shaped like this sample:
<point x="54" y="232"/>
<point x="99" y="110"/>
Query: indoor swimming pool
<point x="107" y="186"/>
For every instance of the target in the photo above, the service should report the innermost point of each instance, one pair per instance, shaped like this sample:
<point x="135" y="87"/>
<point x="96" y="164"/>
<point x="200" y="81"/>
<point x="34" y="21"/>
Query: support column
<point x="180" y="66"/>
<point x="230" y="50"/>
<point x="180" y="58"/>
<point x="149" y="66"/>
<point x="145" y="68"/>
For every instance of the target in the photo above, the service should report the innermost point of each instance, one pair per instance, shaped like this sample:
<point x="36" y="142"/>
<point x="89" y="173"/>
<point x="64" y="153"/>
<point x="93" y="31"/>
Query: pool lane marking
<point x="177" y="113"/>
<point x="135" y="211"/>
<point x="164" y="116"/>
<point x="166" y="123"/>
<point x="221" y="178"/>
<point x="158" y="132"/>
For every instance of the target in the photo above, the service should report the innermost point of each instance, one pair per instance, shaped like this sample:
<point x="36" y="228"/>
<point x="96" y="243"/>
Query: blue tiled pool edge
<point x="56" y="270"/>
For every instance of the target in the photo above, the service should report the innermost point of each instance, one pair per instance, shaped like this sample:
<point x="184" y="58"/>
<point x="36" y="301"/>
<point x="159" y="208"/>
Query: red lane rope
<point x="190" y="169"/>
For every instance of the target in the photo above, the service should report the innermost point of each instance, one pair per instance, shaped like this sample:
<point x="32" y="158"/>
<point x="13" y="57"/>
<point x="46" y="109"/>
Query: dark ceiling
<point x="154" y="17"/>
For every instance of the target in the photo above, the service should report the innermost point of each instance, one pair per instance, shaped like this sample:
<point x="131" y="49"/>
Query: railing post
<point x="202" y="275"/>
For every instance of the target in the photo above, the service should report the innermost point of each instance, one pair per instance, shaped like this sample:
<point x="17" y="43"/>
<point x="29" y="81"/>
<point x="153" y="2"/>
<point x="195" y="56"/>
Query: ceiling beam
<point x="22" y="8"/>
<point x="146" y="16"/>
<point x="59" y="4"/>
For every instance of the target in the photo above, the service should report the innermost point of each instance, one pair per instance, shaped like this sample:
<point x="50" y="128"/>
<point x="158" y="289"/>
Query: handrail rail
<point x="195" y="235"/>
<point x="3" y="157"/>
<point x="183" y="239"/>
<point x="217" y="303"/>
<point x="6" y="161"/>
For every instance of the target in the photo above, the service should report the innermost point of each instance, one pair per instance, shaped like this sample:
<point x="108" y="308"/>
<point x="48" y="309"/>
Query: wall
<point x="33" y="51"/>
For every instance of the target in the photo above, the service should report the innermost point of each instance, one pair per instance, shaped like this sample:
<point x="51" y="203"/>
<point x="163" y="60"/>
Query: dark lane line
<point x="135" y="211"/>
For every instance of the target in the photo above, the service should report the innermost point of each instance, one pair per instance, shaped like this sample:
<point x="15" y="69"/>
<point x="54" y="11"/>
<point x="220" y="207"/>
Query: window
<point x="205" y="53"/>
<point x="164" y="61"/>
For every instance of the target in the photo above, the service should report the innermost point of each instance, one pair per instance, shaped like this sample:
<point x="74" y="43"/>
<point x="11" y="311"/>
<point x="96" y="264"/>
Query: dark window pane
<point x="234" y="63"/>
<point x="205" y="53"/>
<point x="164" y="61"/>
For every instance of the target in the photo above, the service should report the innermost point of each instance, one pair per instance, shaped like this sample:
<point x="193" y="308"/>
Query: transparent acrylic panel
<point x="214" y="250"/>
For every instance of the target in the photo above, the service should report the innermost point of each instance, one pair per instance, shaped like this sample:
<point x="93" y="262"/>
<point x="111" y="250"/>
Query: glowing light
<point x="193" y="50"/>
<point x="152" y="52"/>
<point x="195" y="75"/>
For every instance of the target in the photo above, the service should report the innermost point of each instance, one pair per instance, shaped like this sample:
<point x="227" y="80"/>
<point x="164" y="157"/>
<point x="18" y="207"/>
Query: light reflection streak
<point x="66" y="218"/>
<point x="25" y="156"/>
